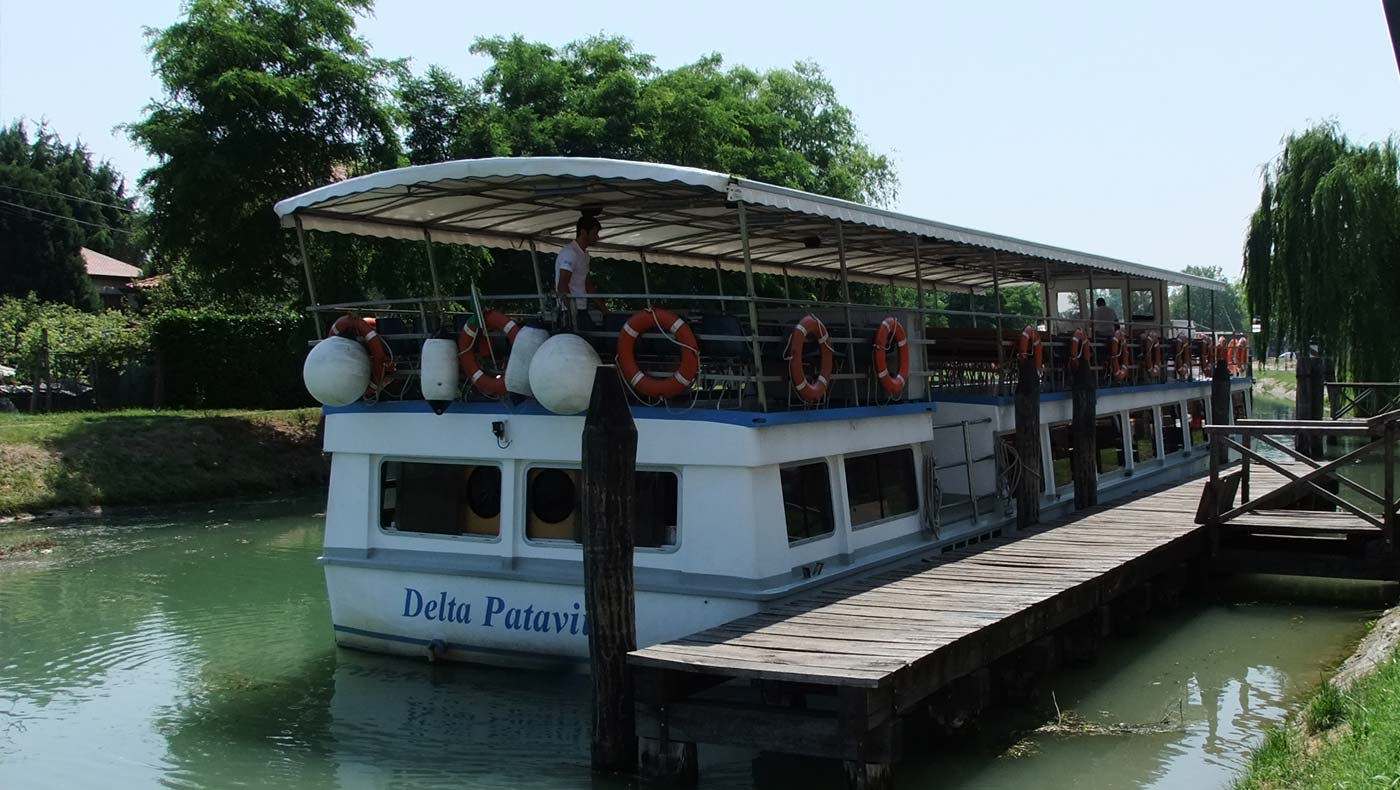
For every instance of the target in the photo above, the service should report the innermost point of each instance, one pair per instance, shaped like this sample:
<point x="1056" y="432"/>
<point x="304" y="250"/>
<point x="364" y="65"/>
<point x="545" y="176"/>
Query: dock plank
<point x="872" y="630"/>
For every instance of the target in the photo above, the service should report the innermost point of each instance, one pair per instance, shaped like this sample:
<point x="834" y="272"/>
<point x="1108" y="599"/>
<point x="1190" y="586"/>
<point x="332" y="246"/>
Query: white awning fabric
<point x="681" y="215"/>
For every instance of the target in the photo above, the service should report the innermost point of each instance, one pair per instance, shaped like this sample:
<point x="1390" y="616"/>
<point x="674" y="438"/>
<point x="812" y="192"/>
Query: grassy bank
<point x="1342" y="738"/>
<point x="75" y="460"/>
<point x="1273" y="390"/>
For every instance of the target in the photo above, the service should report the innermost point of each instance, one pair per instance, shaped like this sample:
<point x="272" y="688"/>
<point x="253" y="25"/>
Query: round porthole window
<point x="484" y="491"/>
<point x="553" y="495"/>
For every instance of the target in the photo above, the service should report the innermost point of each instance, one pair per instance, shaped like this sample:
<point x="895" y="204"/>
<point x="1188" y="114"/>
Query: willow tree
<point x="1320" y="257"/>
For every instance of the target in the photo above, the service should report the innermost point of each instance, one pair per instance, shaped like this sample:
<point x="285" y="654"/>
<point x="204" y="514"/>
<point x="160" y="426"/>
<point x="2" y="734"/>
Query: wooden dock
<point x="834" y="672"/>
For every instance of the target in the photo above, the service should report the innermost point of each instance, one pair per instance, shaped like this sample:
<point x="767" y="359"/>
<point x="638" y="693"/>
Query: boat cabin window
<point x="881" y="485"/>
<point x="1237" y="402"/>
<point x="1172" y="438"/>
<point x="1061" y="450"/>
<point x="1067" y="304"/>
<point x="1196" y="409"/>
<point x="440" y="499"/>
<point x="1142" y="305"/>
<point x="1144" y="429"/>
<point x="553" y="498"/>
<point x="807" y="501"/>
<point x="1112" y="297"/>
<point x="1108" y="440"/>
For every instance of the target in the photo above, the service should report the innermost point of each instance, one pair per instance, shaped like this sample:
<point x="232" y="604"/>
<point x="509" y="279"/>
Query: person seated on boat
<point x="571" y="281"/>
<point x="1105" y="320"/>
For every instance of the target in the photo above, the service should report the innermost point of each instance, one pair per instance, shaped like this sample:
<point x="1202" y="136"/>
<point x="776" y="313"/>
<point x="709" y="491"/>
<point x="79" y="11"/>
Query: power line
<point x="60" y="216"/>
<point x="54" y="192"/>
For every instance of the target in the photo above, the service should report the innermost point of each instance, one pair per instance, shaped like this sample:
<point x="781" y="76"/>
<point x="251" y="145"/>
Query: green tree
<point x="1319" y="256"/>
<point x="600" y="97"/>
<point x="1229" y="312"/>
<point x="263" y="99"/>
<point x="54" y="200"/>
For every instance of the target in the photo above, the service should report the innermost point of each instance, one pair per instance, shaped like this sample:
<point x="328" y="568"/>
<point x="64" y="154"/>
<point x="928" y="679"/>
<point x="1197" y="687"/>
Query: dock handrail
<point x="1362" y="394"/>
<point x="1382" y="433"/>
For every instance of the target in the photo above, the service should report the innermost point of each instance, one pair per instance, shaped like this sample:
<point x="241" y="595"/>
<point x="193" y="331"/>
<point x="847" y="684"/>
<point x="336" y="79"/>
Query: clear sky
<point x="1130" y="129"/>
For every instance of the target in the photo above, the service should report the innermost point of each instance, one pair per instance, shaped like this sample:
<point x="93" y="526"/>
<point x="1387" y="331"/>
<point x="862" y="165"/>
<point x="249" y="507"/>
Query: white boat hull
<point x="492" y="620"/>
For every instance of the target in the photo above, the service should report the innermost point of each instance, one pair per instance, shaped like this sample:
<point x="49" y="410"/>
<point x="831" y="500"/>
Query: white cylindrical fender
<point x="438" y="369"/>
<point x="336" y="372"/>
<point x="522" y="351"/>
<point x="561" y="374"/>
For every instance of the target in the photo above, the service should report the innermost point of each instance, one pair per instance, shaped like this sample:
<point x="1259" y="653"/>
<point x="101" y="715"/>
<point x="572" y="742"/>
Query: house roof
<point x="99" y="265"/>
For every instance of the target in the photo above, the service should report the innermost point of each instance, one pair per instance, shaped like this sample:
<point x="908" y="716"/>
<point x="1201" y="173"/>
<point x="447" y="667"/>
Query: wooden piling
<point x="1082" y="466"/>
<point x="1308" y="400"/>
<point x="1027" y="461"/>
<point x="609" y="512"/>
<point x="1220" y="407"/>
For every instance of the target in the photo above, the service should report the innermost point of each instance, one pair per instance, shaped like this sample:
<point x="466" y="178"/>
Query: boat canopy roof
<point x="682" y="215"/>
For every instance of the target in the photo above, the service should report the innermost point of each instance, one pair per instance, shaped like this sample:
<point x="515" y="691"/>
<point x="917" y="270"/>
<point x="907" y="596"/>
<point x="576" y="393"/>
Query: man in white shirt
<point x="571" y="274"/>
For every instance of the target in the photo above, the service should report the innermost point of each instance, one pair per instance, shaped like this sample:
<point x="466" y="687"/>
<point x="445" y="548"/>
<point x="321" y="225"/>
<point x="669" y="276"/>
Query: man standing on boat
<point x="1105" y="319"/>
<point x="571" y="275"/>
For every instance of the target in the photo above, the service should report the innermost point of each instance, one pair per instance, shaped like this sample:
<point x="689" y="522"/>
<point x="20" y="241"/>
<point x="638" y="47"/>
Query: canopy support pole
<point x="1190" y="329"/>
<point x="996" y="302"/>
<point x="646" y="284"/>
<point x="539" y="283"/>
<point x="753" y="309"/>
<point x="1045" y="297"/>
<point x="433" y="273"/>
<point x="310" y="283"/>
<point x="846" y="298"/>
<point x="787" y="290"/>
<point x="719" y="280"/>
<point x="918" y="276"/>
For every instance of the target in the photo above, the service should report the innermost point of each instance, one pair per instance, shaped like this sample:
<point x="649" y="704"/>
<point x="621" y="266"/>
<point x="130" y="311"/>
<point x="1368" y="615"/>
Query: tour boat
<point x="811" y="406"/>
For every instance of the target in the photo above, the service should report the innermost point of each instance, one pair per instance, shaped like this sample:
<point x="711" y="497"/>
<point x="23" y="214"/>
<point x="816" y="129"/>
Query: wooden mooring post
<point x="1220" y="408"/>
<point x="609" y="511"/>
<point x="1082" y="463"/>
<point x="1027" y="461"/>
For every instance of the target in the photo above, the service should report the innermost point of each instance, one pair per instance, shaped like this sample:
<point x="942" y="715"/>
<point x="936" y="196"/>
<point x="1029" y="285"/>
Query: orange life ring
<point x="1239" y="362"/>
<point x="644" y="321"/>
<point x="809" y="390"/>
<point x="1080" y="348"/>
<point x="1207" y="354"/>
<point x="1118" y="359"/>
<point x="1223" y="352"/>
<point x="1152" y="354"/>
<point x="381" y="358"/>
<point x="893" y="383"/>
<point x="472" y="343"/>
<point x="1183" y="356"/>
<point x="1030" y="344"/>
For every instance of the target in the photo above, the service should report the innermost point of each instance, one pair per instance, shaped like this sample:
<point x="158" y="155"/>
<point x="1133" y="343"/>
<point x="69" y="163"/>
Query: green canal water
<point x="193" y="649"/>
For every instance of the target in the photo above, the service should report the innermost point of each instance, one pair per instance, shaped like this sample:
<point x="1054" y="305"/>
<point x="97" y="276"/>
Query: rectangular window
<point x="1196" y="410"/>
<point x="440" y="499"/>
<point x="807" y="501"/>
<point x="1237" y="403"/>
<point x="1113" y="299"/>
<point x="1108" y="436"/>
<point x="553" y="499"/>
<point x="1172" y="438"/>
<point x="1142" y="302"/>
<point x="1061" y="450"/>
<point x="1067" y="304"/>
<point x="881" y="485"/>
<point x="1144" y="435"/>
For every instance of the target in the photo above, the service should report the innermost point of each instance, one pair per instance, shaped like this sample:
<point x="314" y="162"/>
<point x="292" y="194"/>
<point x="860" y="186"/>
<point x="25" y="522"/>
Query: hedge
<point x="212" y="359"/>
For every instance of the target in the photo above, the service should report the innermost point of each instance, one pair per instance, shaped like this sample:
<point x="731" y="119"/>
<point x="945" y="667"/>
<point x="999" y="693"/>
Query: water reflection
<point x="194" y="650"/>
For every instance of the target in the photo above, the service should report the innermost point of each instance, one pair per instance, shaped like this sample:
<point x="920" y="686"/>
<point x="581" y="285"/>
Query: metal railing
<point x="971" y="357"/>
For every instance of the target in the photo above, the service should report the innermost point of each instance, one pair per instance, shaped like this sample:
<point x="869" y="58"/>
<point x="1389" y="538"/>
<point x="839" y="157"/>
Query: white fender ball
<point x="439" y="369"/>
<point x="561" y="374"/>
<point x="336" y="372"/>
<point x="522" y="350"/>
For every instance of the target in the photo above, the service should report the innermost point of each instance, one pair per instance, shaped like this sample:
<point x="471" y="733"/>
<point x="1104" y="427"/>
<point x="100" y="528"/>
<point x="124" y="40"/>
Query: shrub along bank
<point x="80" y="459"/>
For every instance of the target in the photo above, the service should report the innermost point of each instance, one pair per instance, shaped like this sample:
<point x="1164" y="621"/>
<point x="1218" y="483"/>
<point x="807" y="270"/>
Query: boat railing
<point x="748" y="339"/>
